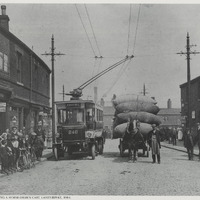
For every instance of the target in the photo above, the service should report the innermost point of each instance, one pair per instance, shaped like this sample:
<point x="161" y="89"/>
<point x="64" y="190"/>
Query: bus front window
<point x="70" y="116"/>
<point x="74" y="115"/>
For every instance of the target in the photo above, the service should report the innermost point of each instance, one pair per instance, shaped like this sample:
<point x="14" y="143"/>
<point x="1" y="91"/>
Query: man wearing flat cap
<point x="154" y="143"/>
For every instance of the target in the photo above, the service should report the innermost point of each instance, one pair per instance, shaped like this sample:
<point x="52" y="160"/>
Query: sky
<point x="155" y="34"/>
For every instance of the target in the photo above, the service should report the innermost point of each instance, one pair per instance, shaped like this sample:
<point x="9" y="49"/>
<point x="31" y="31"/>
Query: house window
<point x="3" y="62"/>
<point x="19" y="67"/>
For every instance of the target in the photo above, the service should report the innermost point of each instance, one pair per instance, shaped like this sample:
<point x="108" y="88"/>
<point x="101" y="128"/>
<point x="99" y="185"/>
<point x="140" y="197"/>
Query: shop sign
<point x="2" y="107"/>
<point x="14" y="119"/>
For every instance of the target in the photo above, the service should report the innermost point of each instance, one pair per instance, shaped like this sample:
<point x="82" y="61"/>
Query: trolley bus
<point x="79" y="126"/>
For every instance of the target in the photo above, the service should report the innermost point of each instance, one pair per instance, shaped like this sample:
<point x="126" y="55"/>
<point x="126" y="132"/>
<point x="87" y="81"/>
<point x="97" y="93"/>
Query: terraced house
<point x="24" y="81"/>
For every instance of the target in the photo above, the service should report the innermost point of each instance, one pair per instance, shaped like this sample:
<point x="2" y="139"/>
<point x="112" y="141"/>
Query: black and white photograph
<point x="99" y="99"/>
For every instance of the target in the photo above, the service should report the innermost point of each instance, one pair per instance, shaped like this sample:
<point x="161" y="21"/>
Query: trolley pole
<point x="187" y="53"/>
<point x="53" y="54"/>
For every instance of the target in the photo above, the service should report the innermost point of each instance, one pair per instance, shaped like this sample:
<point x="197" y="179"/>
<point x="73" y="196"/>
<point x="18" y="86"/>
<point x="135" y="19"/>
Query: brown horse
<point x="133" y="138"/>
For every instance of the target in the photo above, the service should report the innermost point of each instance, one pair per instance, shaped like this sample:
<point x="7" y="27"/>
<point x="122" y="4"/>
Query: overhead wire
<point x="95" y="39"/>
<point x="122" y="69"/>
<point x="138" y="17"/>
<point x="120" y="73"/>
<point x="129" y="25"/>
<point x="85" y="30"/>
<point x="92" y="30"/>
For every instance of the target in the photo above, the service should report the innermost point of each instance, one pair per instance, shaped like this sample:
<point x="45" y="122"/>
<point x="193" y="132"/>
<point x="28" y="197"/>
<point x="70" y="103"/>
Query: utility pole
<point x="144" y="90"/>
<point x="53" y="54"/>
<point x="187" y="53"/>
<point x="63" y="92"/>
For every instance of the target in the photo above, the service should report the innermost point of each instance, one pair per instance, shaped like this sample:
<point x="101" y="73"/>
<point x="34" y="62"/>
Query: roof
<point x="8" y="34"/>
<point x="169" y="111"/>
<point x="192" y="81"/>
<point x="75" y="101"/>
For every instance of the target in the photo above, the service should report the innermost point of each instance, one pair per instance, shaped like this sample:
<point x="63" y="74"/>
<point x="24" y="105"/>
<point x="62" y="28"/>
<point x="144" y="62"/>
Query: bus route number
<point x="73" y="132"/>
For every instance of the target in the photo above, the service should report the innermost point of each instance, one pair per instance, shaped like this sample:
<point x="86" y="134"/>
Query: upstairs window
<point x="3" y="62"/>
<point x="19" y="67"/>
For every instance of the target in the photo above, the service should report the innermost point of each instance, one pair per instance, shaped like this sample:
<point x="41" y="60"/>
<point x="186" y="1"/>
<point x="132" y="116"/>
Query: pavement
<point x="47" y="153"/>
<point x="179" y="147"/>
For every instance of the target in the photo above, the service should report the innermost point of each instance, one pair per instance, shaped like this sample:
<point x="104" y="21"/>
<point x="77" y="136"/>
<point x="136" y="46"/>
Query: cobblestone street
<point x="108" y="174"/>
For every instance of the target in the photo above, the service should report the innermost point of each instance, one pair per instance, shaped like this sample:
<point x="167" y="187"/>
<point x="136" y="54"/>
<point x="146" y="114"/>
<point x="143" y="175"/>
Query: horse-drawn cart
<point x="123" y="145"/>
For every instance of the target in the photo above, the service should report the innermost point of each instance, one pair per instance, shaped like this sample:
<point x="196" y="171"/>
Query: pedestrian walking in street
<point x="154" y="143"/>
<point x="189" y="143"/>
<point x="40" y="140"/>
<point x="170" y="135"/>
<point x="174" y="135"/>
<point x="180" y="134"/>
<point x="198" y="137"/>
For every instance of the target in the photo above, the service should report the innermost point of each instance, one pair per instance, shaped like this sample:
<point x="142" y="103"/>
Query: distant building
<point x="170" y="117"/>
<point x="108" y="115"/>
<point x="194" y="102"/>
<point x="24" y="81"/>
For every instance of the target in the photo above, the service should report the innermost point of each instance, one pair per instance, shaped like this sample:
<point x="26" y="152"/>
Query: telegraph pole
<point x="187" y="53"/>
<point x="53" y="54"/>
<point x="144" y="92"/>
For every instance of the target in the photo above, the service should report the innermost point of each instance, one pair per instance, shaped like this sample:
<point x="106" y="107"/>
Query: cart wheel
<point x="100" y="147"/>
<point x="121" y="148"/>
<point x="144" y="151"/>
<point x="69" y="150"/>
<point x="55" y="151"/>
<point x="147" y="150"/>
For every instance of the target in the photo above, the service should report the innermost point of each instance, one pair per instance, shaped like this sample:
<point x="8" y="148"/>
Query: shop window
<point x="3" y="62"/>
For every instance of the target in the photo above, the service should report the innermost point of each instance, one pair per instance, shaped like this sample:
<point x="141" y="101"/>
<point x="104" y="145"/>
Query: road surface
<point x="108" y="174"/>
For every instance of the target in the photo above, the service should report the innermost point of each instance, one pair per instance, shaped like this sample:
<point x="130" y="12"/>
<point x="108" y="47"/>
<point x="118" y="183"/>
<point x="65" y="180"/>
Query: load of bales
<point x="134" y="107"/>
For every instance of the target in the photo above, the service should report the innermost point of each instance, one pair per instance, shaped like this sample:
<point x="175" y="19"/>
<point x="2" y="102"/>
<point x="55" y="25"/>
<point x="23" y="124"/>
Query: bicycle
<point x="22" y="163"/>
<point x="32" y="156"/>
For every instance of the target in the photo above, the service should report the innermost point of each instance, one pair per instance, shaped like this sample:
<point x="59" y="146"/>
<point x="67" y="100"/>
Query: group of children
<point x="14" y="141"/>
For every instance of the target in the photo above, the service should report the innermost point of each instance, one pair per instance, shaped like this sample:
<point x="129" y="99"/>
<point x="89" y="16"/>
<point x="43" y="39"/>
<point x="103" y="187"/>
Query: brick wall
<point x="40" y="75"/>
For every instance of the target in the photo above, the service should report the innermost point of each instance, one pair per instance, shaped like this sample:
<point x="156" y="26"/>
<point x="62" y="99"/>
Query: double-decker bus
<point x="79" y="126"/>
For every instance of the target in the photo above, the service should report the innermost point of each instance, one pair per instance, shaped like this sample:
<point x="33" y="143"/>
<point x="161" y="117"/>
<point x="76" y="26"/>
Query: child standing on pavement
<point x="4" y="157"/>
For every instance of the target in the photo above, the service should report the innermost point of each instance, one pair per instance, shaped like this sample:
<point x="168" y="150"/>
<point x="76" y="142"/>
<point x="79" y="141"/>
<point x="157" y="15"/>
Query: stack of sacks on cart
<point x="135" y="107"/>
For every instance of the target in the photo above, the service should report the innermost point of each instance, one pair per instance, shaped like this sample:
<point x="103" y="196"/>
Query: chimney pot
<point x="3" y="10"/>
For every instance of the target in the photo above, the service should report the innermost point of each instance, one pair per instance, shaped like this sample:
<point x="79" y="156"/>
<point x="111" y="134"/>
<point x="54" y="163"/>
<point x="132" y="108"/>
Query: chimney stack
<point x="169" y="104"/>
<point x="4" y="19"/>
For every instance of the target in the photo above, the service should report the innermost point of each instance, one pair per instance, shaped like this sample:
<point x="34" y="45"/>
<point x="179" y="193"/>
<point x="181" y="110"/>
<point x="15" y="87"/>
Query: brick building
<point x="194" y="102"/>
<point x="24" y="81"/>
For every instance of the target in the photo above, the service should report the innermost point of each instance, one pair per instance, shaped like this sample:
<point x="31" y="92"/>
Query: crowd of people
<point x="14" y="141"/>
<point x="172" y="134"/>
